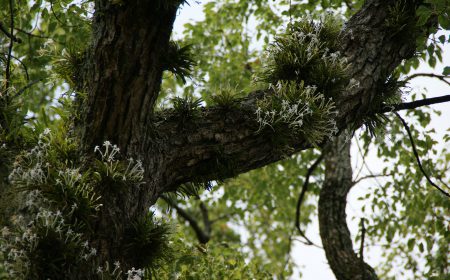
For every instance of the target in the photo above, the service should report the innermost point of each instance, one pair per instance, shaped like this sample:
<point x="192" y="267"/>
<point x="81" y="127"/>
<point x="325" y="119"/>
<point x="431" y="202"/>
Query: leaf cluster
<point x="308" y="52"/>
<point x="147" y="242"/>
<point x="178" y="60"/>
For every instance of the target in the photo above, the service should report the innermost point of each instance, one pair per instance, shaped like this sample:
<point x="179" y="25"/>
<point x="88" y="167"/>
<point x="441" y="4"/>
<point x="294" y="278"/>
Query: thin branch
<point x="416" y="154"/>
<point x="9" y="35"/>
<point x="361" y="248"/>
<point x="430" y="75"/>
<point x="348" y="4"/>
<point x="23" y="65"/>
<point x="363" y="156"/>
<point x="301" y="197"/>
<point x="370" y="176"/>
<point x="202" y="236"/>
<point x="222" y="217"/>
<point x="206" y="221"/>
<point x="31" y="34"/>
<point x="11" y="44"/>
<point x="30" y="84"/>
<point x="416" y="104"/>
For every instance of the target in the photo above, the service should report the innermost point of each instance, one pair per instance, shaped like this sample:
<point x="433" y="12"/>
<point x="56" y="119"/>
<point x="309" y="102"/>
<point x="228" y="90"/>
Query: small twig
<point x="23" y="65"/>
<point x="11" y="44"/>
<point x="361" y="248"/>
<point x="30" y="84"/>
<point x="202" y="236"/>
<point x="416" y="104"/>
<point x="221" y="217"/>
<point x="301" y="197"/>
<point x="416" y="154"/>
<point x="348" y="4"/>
<point x="430" y="75"/>
<point x="370" y="176"/>
<point x="31" y="34"/>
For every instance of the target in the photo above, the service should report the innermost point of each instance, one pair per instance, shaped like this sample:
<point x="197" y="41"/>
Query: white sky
<point x="311" y="260"/>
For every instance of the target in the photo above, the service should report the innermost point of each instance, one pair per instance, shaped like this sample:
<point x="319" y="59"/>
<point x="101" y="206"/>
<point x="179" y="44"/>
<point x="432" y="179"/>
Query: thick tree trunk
<point x="122" y="79"/>
<point x="334" y="232"/>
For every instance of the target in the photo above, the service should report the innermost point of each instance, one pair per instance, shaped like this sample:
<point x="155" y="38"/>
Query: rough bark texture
<point x="334" y="232"/>
<point x="123" y="79"/>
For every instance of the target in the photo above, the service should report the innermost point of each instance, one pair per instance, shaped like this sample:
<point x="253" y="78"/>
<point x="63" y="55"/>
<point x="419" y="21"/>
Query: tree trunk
<point x="122" y="79"/>
<point x="334" y="232"/>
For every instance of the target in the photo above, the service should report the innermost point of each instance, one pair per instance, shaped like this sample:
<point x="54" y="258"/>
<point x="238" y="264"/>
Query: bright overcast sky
<point x="311" y="260"/>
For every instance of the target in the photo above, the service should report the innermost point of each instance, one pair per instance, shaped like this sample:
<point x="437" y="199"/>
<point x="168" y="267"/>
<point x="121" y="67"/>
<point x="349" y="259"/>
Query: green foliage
<point x="219" y="261"/>
<point x="308" y="52"/>
<point x="225" y="97"/>
<point x="69" y="66"/>
<point x="304" y="111"/>
<point x="186" y="107"/>
<point x="391" y="93"/>
<point x="147" y="242"/>
<point x="406" y="213"/>
<point x="178" y="60"/>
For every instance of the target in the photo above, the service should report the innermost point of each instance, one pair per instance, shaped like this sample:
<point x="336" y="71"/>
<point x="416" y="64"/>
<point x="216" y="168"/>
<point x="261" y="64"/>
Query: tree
<point x="81" y="203"/>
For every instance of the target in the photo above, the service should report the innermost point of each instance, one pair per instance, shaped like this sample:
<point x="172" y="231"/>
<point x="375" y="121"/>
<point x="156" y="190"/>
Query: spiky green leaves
<point x="178" y="60"/>
<point x="69" y="65"/>
<point x="147" y="241"/>
<point x="305" y="71"/>
<point x="308" y="53"/>
<point x="186" y="107"/>
<point x="299" y="108"/>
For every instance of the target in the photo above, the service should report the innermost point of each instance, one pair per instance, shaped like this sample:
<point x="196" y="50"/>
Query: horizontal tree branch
<point x="416" y="104"/>
<point x="217" y="143"/>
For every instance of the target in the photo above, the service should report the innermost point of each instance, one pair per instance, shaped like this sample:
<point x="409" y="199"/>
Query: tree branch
<point x="361" y="249"/>
<point x="416" y="104"/>
<point x="8" y="34"/>
<point x="416" y="154"/>
<point x="11" y="44"/>
<point x="302" y="195"/>
<point x="430" y="75"/>
<point x="370" y="177"/>
<point x="200" y="148"/>
<point x="334" y="231"/>
<point x="203" y="236"/>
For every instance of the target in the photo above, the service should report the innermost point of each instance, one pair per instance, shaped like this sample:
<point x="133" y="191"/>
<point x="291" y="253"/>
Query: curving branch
<point x="429" y="75"/>
<point x="301" y="197"/>
<point x="10" y="47"/>
<point x="416" y="155"/>
<point x="203" y="235"/>
<point x="8" y="34"/>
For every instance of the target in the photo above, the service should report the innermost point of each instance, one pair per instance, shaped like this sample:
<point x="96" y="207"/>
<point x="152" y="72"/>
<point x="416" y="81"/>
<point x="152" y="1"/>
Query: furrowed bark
<point x="336" y="239"/>
<point x="122" y="80"/>
<point x="124" y="74"/>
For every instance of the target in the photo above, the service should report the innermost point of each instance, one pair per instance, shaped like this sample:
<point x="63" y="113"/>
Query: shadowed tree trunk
<point x="334" y="232"/>
<point x="123" y="76"/>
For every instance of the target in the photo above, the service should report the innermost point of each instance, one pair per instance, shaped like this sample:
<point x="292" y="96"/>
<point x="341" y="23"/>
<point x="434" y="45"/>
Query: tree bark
<point x="336" y="239"/>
